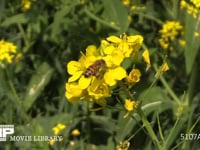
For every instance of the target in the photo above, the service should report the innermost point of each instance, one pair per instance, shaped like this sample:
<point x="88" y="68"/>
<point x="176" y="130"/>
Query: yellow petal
<point x="112" y="75"/>
<point x="114" y="39"/>
<point x="84" y="82"/>
<point x="115" y="59"/>
<point x="164" y="67"/>
<point x="91" y="50"/>
<point x="135" y="39"/>
<point x="75" y="76"/>
<point x="146" y="58"/>
<point x="73" y="67"/>
<point x="73" y="92"/>
<point x="109" y="49"/>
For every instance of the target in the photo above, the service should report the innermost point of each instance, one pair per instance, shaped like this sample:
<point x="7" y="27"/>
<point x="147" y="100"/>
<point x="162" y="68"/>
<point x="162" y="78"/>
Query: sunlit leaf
<point x="37" y="83"/>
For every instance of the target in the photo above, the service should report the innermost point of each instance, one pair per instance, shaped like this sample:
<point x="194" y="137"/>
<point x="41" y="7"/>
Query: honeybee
<point x="93" y="69"/>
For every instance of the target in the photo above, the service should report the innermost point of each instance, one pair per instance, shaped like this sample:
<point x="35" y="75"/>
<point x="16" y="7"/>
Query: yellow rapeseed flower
<point x="26" y="5"/>
<point x="163" y="68"/>
<point x="124" y="145"/>
<point x="73" y="92"/>
<point x="130" y="106"/>
<point x="75" y="132"/>
<point x="52" y="142"/>
<point x="126" y="2"/>
<point x="183" y="4"/>
<point x="99" y="90"/>
<point x="182" y="43"/>
<point x="58" y="128"/>
<point x="169" y="32"/>
<point x="76" y="69"/>
<point x="134" y="76"/>
<point x="127" y="44"/>
<point x="7" y="52"/>
<point x="192" y="8"/>
<point x="196" y="3"/>
<point x="113" y="75"/>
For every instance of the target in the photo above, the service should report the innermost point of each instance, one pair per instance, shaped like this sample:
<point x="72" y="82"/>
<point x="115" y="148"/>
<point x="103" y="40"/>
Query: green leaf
<point x="37" y="83"/>
<point x="174" y="133"/>
<point x="104" y="122"/>
<point x="117" y="13"/>
<point x="154" y="101"/>
<point x="2" y="8"/>
<point x="59" y="19"/>
<point x="19" y="18"/>
<point x="192" y="42"/>
<point x="129" y="123"/>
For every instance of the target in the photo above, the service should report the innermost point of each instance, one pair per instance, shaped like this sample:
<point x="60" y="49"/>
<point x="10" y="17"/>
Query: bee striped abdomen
<point x="93" y="69"/>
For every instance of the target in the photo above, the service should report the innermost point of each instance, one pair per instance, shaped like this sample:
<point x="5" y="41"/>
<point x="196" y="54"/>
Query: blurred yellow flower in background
<point x="75" y="132"/>
<point x="192" y="7"/>
<point x="7" y="52"/>
<point x="169" y="32"/>
<point x="124" y="145"/>
<point x="58" y="128"/>
<point x="26" y="5"/>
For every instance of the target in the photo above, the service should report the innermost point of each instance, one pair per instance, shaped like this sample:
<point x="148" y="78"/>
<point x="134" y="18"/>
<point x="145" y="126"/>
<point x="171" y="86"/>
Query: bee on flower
<point x="99" y="69"/>
<point x="94" y="69"/>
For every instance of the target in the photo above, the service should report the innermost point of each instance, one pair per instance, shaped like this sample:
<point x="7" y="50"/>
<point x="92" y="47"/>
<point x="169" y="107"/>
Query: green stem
<point x="126" y="90"/>
<point x="146" y="123"/>
<point x="192" y="82"/>
<point x="170" y="91"/>
<point x="168" y="88"/>
<point x="100" y="20"/>
<point x="17" y="100"/>
<point x="12" y="87"/>
<point x="149" y="17"/>
<point x="189" y="97"/>
<point x="24" y="36"/>
<point x="149" y="129"/>
<point x="170" y="136"/>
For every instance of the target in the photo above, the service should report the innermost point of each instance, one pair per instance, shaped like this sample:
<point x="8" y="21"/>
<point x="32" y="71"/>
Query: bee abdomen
<point x="94" y="68"/>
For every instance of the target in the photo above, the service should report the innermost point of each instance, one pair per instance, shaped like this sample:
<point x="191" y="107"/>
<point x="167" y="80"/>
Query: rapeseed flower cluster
<point x="94" y="75"/>
<point x="192" y="7"/>
<point x="7" y="52"/>
<point x="169" y="32"/>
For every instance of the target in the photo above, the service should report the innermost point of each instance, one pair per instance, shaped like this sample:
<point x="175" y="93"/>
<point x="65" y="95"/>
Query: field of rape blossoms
<point x="100" y="74"/>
